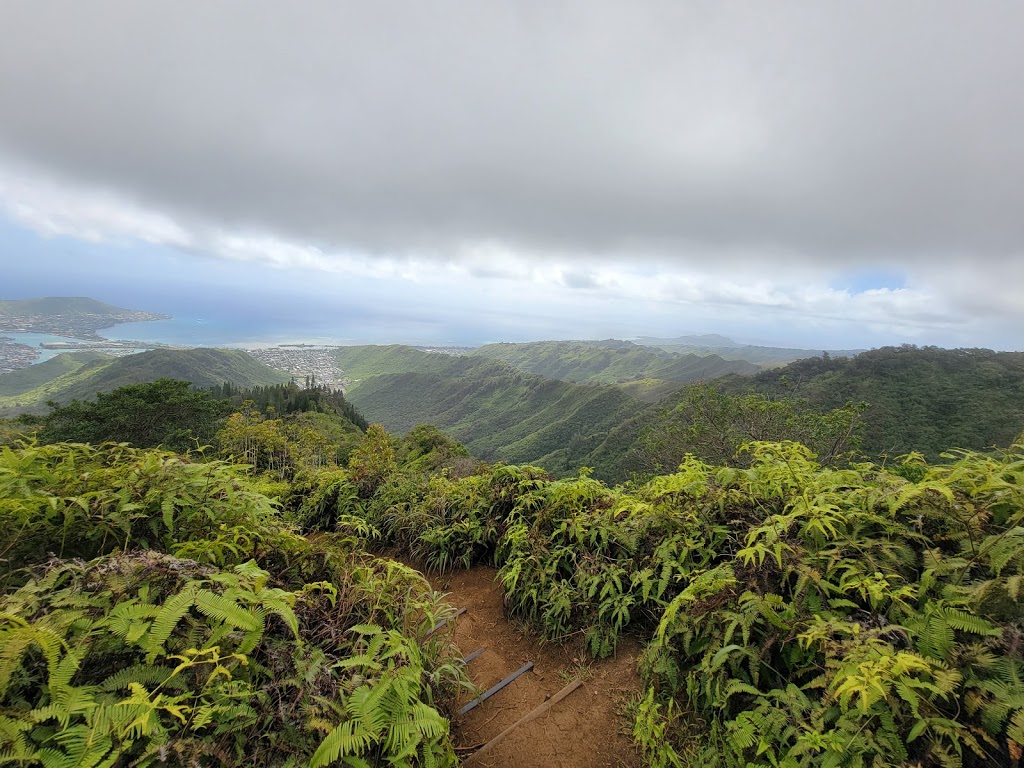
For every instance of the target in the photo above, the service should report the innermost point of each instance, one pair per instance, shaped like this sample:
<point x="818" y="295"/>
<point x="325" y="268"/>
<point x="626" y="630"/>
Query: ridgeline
<point x="82" y="375"/>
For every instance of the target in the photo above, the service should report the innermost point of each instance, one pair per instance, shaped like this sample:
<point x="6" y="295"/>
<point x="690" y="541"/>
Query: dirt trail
<point x="584" y="730"/>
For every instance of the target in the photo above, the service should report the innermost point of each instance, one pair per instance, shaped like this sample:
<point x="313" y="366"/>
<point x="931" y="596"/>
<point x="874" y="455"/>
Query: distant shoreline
<point x="74" y="318"/>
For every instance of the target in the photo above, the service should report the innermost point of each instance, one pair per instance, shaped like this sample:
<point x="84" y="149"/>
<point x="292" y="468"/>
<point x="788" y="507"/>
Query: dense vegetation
<point x="798" y="606"/>
<point x="166" y="608"/>
<point x="498" y="412"/>
<point x="290" y="398"/>
<point x="279" y="427"/>
<point x="886" y="402"/>
<point x="610" y="362"/>
<point x="795" y="615"/>
<point x="163" y="611"/>
<point x="918" y="398"/>
<point x="702" y="421"/>
<point x="201" y="367"/>
<point x="165" y="413"/>
<point x="362" y="362"/>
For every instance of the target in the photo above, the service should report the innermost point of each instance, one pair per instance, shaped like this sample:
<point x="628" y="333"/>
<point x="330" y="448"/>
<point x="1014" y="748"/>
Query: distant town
<point x="79" y="319"/>
<point x="14" y="355"/>
<point x="318" y="362"/>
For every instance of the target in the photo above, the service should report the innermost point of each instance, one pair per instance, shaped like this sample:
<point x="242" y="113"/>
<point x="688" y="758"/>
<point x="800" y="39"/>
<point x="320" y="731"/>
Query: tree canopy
<point x="165" y="413"/>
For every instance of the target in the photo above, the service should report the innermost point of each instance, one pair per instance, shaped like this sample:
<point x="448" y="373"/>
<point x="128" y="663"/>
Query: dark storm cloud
<point x="819" y="130"/>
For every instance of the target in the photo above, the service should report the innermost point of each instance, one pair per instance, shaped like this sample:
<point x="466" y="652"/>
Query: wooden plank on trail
<point x="532" y="715"/>
<point x="495" y="688"/>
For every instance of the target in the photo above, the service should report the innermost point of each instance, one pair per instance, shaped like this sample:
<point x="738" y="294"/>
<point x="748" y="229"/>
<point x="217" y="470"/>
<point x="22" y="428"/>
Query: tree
<point x="713" y="425"/>
<point x="284" y="446"/>
<point x="166" y="413"/>
<point x="373" y="461"/>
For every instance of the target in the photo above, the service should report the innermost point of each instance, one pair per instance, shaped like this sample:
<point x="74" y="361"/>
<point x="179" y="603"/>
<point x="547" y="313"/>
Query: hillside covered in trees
<point x="31" y="377"/>
<point x="497" y="411"/>
<point x="886" y="402"/>
<point x="81" y="375"/>
<point x="610" y="362"/>
<point x="923" y="399"/>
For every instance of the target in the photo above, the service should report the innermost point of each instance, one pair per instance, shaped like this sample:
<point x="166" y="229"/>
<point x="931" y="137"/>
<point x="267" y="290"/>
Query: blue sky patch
<point x="870" y="280"/>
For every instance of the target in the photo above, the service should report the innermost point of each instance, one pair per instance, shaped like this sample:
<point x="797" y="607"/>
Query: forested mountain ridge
<point x="497" y="411"/>
<point x="30" y="377"/>
<point x="726" y="348"/>
<point x="201" y="366"/>
<point x="609" y="362"/>
<point x="364" y="361"/>
<point x="501" y="412"/>
<point x="644" y="369"/>
<point x="925" y="399"/>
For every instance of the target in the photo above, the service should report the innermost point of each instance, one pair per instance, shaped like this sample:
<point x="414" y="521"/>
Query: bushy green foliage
<point x="425" y="448"/>
<point x="798" y="615"/>
<point x="702" y="421"/>
<point x="161" y="608"/>
<point x="288" y="432"/>
<point x="84" y="501"/>
<point x="181" y="620"/>
<point x="373" y="460"/>
<point x="922" y="399"/>
<point x="13" y="431"/>
<point x="328" y="501"/>
<point x="446" y="522"/>
<point x="286" y="399"/>
<point x="287" y="446"/>
<point x="165" y="413"/>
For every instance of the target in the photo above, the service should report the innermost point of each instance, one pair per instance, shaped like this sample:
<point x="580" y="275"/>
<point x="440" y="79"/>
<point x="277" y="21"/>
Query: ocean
<point x="35" y="339"/>
<point x="220" y="332"/>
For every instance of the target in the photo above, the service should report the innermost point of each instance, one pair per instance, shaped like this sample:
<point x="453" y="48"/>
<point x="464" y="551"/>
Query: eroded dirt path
<point x="584" y="730"/>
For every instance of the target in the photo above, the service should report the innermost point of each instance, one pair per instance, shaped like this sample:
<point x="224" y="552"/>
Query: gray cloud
<point x="817" y="132"/>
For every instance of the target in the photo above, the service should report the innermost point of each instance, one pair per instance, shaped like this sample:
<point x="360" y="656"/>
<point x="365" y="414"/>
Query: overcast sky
<point x="830" y="174"/>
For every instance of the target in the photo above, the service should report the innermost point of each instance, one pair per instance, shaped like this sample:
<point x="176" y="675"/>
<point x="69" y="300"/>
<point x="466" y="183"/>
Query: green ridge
<point x="610" y="362"/>
<point x="26" y="379"/>
<point x="201" y="367"/>
<point x="497" y="411"/>
<point x="713" y="344"/>
<point x="361" y="362"/>
<point x="923" y="399"/>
